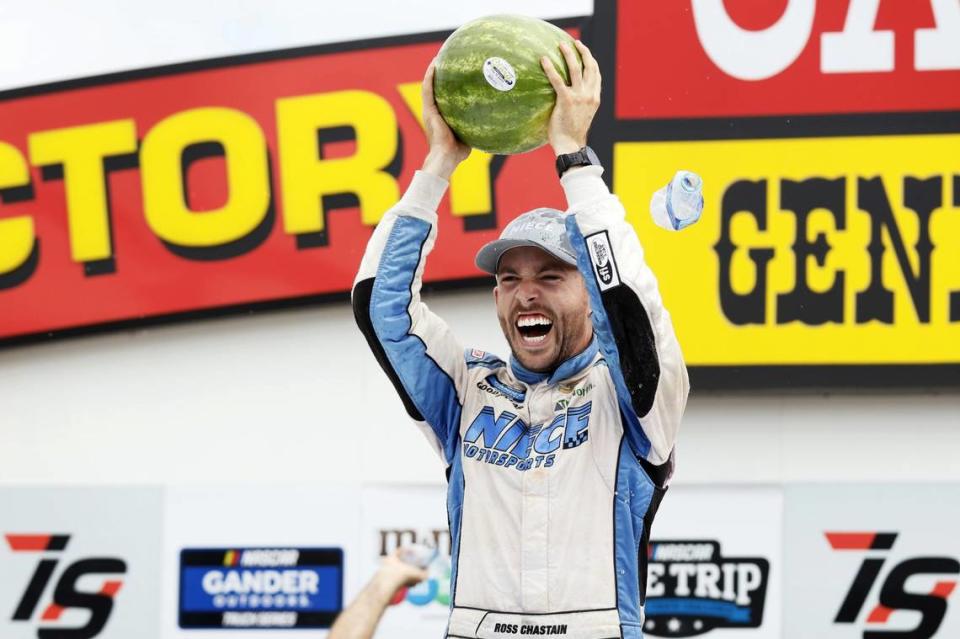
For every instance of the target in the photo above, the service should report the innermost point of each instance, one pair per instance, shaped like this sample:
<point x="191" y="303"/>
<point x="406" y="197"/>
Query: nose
<point x="527" y="292"/>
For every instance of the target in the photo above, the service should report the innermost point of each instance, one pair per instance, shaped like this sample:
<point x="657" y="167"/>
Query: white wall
<point x="296" y="396"/>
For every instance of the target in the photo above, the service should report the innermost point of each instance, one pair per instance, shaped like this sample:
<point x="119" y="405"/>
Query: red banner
<point x="712" y="58"/>
<point x="227" y="183"/>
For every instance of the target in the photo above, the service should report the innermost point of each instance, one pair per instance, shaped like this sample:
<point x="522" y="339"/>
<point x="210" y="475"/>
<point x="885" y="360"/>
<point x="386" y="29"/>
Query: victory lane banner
<point x="825" y="130"/>
<point x="260" y="587"/>
<point x="227" y="183"/>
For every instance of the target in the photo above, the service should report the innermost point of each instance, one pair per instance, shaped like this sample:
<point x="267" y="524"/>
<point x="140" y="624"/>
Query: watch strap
<point x="566" y="161"/>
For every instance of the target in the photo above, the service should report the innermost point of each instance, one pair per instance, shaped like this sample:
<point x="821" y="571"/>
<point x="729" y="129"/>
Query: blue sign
<point x="260" y="587"/>
<point x="692" y="589"/>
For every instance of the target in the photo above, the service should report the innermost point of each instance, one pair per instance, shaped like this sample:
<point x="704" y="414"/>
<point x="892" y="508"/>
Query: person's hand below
<point x="359" y="620"/>
<point x="577" y="103"/>
<point x="398" y="573"/>
<point x="446" y="151"/>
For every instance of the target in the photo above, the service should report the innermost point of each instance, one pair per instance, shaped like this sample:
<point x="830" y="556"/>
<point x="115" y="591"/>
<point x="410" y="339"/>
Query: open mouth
<point x="533" y="327"/>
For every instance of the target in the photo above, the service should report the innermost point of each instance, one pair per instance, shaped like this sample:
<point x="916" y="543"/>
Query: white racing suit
<point x="553" y="479"/>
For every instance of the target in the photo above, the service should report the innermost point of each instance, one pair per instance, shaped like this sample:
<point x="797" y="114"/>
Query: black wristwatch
<point x="583" y="157"/>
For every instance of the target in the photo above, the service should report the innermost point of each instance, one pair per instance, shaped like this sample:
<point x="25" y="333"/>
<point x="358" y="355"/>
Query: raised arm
<point x="413" y="346"/>
<point x="632" y="326"/>
<point x="359" y="620"/>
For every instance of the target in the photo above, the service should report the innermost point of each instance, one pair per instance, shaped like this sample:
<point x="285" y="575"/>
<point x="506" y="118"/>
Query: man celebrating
<point x="557" y="460"/>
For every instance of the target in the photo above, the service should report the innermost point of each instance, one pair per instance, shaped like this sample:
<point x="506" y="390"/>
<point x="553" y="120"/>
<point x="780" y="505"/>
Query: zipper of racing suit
<point x="534" y="542"/>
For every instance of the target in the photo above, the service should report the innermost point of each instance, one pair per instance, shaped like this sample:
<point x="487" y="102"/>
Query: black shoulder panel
<point x="636" y="345"/>
<point x="361" y="312"/>
<point x="655" y="500"/>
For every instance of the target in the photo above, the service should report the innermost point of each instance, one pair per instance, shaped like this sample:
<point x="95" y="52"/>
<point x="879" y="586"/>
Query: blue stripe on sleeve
<point x="429" y="386"/>
<point x="455" y="490"/>
<point x="631" y="502"/>
<point x="601" y="328"/>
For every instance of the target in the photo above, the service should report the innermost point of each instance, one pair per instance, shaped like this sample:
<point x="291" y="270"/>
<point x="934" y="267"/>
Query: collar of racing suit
<point x="569" y="368"/>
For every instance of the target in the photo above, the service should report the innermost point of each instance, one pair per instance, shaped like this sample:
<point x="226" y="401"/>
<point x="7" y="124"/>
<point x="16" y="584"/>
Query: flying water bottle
<point x="678" y="204"/>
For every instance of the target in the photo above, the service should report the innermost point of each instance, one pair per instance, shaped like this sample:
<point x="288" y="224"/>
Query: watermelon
<point x="489" y="85"/>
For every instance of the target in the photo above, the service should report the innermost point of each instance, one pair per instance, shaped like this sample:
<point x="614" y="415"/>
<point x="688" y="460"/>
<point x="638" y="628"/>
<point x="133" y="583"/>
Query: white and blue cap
<point x="542" y="228"/>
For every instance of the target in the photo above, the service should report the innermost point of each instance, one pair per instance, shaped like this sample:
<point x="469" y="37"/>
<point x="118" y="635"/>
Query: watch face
<point x="592" y="156"/>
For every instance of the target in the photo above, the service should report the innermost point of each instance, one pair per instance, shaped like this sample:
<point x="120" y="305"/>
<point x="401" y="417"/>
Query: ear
<point x="496" y="294"/>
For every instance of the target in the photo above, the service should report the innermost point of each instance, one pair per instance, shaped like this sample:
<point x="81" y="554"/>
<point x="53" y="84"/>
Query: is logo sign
<point x="893" y="595"/>
<point x="693" y="589"/>
<point x="65" y="594"/>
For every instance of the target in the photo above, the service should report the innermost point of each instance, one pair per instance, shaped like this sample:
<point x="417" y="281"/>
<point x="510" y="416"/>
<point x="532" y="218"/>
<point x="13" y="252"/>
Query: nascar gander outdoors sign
<point x="260" y="587"/>
<point x="825" y="131"/>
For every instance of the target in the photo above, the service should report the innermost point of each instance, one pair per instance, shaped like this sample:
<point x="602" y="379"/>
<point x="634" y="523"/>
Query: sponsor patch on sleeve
<point x="477" y="357"/>
<point x="601" y="257"/>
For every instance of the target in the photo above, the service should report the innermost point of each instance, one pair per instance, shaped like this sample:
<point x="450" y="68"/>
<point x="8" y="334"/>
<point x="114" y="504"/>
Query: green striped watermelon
<point x="490" y="87"/>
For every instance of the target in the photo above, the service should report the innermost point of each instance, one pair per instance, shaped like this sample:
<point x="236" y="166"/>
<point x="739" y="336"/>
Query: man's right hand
<point x="446" y="151"/>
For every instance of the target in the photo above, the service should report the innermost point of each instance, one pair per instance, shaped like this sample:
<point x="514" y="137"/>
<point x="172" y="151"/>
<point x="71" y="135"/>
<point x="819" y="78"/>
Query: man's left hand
<point x="577" y="103"/>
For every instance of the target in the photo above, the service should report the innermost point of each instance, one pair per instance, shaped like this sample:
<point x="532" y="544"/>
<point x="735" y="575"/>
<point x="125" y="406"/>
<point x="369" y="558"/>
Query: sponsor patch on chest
<point x="495" y="387"/>
<point x="506" y="440"/>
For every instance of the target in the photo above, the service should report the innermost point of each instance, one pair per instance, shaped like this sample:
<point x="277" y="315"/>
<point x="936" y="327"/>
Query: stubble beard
<point x="568" y="338"/>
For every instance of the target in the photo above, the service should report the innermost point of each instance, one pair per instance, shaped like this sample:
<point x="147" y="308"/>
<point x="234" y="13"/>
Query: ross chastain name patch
<point x="531" y="629"/>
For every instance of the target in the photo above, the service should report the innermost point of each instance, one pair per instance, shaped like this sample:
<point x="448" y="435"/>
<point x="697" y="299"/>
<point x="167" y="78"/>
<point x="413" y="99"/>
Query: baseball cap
<point x="543" y="228"/>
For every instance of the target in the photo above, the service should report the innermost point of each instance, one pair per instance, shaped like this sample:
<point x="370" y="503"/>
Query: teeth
<point x="533" y="320"/>
<point x="533" y="340"/>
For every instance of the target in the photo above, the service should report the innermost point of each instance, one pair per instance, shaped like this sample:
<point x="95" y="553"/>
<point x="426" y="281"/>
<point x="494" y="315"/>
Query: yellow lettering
<point x="16" y="233"/>
<point x="470" y="189"/>
<point x="81" y="150"/>
<point x="306" y="177"/>
<point x="248" y="183"/>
